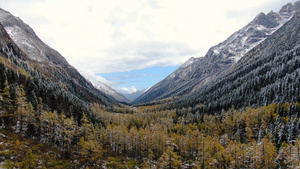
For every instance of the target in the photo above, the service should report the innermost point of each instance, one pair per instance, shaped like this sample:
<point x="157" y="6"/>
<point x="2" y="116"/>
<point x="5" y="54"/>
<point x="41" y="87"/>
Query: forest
<point x="269" y="73"/>
<point x="266" y="137"/>
<point x="247" y="119"/>
<point x="35" y="135"/>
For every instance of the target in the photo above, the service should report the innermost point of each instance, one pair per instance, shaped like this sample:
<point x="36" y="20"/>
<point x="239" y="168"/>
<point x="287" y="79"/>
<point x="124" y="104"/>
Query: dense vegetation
<point x="265" y="137"/>
<point x="269" y="73"/>
<point x="49" y="135"/>
<point x="19" y="80"/>
<point x="46" y="123"/>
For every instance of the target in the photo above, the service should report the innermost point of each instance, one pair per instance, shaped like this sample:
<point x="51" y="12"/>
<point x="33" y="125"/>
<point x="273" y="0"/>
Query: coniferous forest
<point x="248" y="118"/>
<point x="35" y="134"/>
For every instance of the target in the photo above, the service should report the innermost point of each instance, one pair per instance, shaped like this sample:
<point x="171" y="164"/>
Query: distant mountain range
<point x="197" y="72"/>
<point x="134" y="95"/>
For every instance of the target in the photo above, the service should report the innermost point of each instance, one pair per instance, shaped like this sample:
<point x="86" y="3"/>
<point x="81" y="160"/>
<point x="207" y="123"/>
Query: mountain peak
<point x="197" y="72"/>
<point x="268" y="21"/>
<point x="187" y="63"/>
<point x="26" y="39"/>
<point x="288" y="10"/>
<point x="47" y="60"/>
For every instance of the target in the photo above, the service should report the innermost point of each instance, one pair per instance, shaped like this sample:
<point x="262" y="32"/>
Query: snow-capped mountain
<point x="29" y="42"/>
<point x="197" y="72"/>
<point x="111" y="92"/>
<point x="48" y="61"/>
<point x="106" y="89"/>
<point x="135" y="94"/>
<point x="269" y="73"/>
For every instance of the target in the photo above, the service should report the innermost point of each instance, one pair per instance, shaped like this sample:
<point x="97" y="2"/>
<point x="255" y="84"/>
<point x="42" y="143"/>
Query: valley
<point x="236" y="107"/>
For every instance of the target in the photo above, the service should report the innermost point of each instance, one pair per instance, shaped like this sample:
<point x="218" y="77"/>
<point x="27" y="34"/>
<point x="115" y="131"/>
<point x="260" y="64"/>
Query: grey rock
<point x="47" y="60"/>
<point x="197" y="72"/>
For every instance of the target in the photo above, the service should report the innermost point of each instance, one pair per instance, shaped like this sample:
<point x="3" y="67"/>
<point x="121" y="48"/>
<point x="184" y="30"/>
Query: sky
<point x="133" y="44"/>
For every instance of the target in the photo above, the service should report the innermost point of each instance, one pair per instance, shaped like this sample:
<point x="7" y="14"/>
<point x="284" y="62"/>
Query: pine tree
<point x="23" y="112"/>
<point x="269" y="154"/>
<point x="91" y="152"/>
<point x="6" y="112"/>
<point x="284" y="159"/>
<point x="69" y="131"/>
<point x="169" y="159"/>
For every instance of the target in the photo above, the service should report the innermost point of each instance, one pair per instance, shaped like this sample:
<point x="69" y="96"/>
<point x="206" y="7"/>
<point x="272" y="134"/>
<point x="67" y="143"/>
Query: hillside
<point x="197" y="72"/>
<point x="40" y="56"/>
<point x="269" y="73"/>
<point x="248" y="117"/>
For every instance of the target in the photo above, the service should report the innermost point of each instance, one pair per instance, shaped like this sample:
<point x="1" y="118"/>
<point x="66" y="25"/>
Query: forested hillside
<point x="20" y="82"/>
<point x="45" y="60"/>
<point x="249" y="118"/>
<point x="269" y="73"/>
<point x="197" y="72"/>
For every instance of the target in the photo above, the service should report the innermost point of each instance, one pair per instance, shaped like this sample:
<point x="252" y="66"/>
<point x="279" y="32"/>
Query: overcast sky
<point x="114" y="39"/>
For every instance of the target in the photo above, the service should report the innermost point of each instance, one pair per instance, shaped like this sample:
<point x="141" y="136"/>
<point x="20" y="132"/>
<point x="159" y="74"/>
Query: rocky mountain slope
<point x="111" y="92"/>
<point x="197" y="72"/>
<point x="269" y="73"/>
<point x="52" y="64"/>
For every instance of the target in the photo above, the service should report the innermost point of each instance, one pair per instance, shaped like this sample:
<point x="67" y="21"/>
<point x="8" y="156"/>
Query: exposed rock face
<point x="269" y="73"/>
<point x="111" y="92"/>
<point x="53" y="65"/>
<point x="197" y="72"/>
<point x="29" y="42"/>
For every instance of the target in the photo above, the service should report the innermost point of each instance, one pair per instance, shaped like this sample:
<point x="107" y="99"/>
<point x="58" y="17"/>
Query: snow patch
<point x="216" y="51"/>
<point x="2" y="135"/>
<point x="172" y="75"/>
<point x="148" y="89"/>
<point x="25" y="42"/>
<point x="187" y="63"/>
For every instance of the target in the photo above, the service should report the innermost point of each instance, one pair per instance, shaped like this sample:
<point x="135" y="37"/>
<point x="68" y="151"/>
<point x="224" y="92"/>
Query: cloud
<point x="97" y="78"/>
<point x="142" y="55"/>
<point x="126" y="90"/>
<point x="100" y="36"/>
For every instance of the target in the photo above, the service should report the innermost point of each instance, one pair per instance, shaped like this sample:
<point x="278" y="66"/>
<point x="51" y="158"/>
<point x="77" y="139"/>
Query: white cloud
<point x="95" y="79"/>
<point x="125" y="90"/>
<point x="103" y="36"/>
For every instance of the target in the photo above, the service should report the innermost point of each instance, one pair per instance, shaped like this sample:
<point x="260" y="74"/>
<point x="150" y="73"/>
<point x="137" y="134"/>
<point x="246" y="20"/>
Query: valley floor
<point x="147" y="137"/>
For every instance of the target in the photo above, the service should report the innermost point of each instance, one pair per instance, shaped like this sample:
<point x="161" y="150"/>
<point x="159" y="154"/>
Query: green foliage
<point x="132" y="164"/>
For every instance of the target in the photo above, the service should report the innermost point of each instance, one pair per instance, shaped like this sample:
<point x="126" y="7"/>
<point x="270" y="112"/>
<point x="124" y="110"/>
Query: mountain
<point x="197" y="72"/>
<point x="33" y="74"/>
<point x="111" y="92"/>
<point x="269" y="73"/>
<point x="45" y="124"/>
<point x="105" y="88"/>
<point x="47" y="60"/>
<point x="132" y="96"/>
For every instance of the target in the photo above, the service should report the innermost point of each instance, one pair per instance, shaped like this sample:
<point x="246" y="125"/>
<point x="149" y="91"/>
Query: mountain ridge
<point x="269" y="73"/>
<point x="197" y="72"/>
<point x="47" y="60"/>
<point x="111" y="92"/>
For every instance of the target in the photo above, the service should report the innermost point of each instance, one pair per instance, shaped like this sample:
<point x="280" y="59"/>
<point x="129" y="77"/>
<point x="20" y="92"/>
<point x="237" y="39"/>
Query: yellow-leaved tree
<point x="169" y="159"/>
